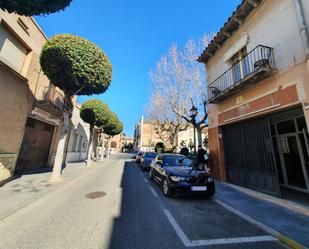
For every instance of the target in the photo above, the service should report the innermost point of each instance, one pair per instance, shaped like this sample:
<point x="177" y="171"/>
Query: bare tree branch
<point x="178" y="82"/>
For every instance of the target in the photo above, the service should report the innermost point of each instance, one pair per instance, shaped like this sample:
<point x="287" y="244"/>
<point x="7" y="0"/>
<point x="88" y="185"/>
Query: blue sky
<point x="134" y="34"/>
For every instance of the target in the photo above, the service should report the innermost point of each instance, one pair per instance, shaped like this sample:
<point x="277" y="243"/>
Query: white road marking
<point x="248" y="218"/>
<point x="183" y="237"/>
<point x="221" y="241"/>
<point x="154" y="192"/>
<point x="225" y="241"/>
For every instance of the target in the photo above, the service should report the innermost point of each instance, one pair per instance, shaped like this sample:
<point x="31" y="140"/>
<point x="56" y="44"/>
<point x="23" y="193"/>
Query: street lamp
<point x="193" y="114"/>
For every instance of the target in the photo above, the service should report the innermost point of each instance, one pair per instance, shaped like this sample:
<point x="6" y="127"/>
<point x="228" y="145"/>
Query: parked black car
<point x="146" y="160"/>
<point x="177" y="173"/>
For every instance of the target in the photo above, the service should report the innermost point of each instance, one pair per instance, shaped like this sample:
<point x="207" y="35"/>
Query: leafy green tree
<point x="78" y="67"/>
<point x="95" y="113"/>
<point x="112" y="128"/>
<point x="34" y="7"/>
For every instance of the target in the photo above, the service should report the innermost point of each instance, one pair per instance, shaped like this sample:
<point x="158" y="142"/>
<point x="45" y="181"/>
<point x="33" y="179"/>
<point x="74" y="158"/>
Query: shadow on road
<point x="141" y="223"/>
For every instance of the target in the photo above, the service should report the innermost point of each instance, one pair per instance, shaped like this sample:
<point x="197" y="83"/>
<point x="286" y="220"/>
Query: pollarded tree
<point x="78" y="67"/>
<point x="112" y="128"/>
<point x="167" y="123"/>
<point x="95" y="113"/>
<point x="34" y="7"/>
<point x="180" y="82"/>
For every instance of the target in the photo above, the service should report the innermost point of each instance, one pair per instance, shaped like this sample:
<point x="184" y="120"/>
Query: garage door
<point x="249" y="156"/>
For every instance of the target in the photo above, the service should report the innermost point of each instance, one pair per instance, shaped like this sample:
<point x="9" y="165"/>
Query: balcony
<point x="255" y="66"/>
<point x="50" y="99"/>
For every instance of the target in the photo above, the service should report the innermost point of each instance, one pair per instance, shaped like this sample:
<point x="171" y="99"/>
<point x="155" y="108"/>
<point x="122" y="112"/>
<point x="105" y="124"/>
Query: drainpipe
<point x="303" y="27"/>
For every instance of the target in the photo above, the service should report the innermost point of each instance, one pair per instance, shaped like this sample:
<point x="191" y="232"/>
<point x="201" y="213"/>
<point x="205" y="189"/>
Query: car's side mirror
<point x="159" y="162"/>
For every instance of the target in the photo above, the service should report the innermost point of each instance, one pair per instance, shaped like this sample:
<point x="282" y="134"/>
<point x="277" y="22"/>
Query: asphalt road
<point x="131" y="213"/>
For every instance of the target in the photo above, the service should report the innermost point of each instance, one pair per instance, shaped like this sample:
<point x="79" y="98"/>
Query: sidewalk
<point x="291" y="221"/>
<point x="28" y="188"/>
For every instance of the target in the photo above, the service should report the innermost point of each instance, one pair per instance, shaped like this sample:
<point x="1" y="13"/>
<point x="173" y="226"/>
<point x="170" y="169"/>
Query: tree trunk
<point x="199" y="136"/>
<point x="174" y="136"/>
<point x="95" y="146"/>
<point x="57" y="168"/>
<point x="90" y="147"/>
<point x="102" y="148"/>
<point x="108" y="147"/>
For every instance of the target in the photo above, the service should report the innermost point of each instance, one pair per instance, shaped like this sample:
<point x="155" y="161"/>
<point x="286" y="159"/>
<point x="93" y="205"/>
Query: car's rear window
<point x="172" y="160"/>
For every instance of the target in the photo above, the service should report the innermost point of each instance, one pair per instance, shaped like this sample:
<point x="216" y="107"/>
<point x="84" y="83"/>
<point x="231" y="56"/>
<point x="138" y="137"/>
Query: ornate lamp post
<point x="193" y="114"/>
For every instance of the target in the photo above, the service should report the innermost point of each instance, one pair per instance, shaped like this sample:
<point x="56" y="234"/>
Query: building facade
<point x="30" y="114"/>
<point x="258" y="95"/>
<point x="145" y="136"/>
<point x="185" y="138"/>
<point x="78" y="138"/>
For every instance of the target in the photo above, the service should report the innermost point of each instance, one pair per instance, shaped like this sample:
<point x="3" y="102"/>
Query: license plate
<point x="198" y="188"/>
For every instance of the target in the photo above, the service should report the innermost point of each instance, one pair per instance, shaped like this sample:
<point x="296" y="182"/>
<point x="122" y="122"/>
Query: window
<point x="240" y="65"/>
<point x="301" y="124"/>
<point x="12" y="51"/>
<point x="286" y="127"/>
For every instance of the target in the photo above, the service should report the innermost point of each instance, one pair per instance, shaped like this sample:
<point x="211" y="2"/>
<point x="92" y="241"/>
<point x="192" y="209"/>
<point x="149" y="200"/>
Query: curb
<point x="282" y="238"/>
<point x="294" y="206"/>
<point x="291" y="243"/>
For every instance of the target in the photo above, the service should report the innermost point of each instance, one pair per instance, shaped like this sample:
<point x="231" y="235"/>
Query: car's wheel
<point x="150" y="175"/>
<point x="166" y="188"/>
<point x="211" y="193"/>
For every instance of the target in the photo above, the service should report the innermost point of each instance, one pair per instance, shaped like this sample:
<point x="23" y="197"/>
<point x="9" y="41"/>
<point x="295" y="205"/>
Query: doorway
<point x="290" y="139"/>
<point x="34" y="151"/>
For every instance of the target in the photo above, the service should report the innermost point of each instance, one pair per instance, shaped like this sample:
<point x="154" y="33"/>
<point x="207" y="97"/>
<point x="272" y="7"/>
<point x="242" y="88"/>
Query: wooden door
<point x="35" y="147"/>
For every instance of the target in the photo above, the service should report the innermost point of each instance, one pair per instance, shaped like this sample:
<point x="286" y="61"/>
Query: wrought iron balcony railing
<point x="253" y="67"/>
<point x="50" y="97"/>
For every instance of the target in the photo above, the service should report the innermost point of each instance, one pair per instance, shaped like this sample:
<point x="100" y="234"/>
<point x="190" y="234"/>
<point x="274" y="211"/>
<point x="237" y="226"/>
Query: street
<point x="130" y="213"/>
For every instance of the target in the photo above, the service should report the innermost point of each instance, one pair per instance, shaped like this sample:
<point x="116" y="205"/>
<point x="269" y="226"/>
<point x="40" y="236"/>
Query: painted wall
<point x="273" y="24"/>
<point x="19" y="84"/>
<point x="187" y="136"/>
<point x="79" y="138"/>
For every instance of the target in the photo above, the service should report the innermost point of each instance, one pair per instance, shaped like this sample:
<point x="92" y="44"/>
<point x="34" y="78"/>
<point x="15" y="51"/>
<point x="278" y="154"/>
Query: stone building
<point x="145" y="137"/>
<point x="258" y="94"/>
<point x="30" y="106"/>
